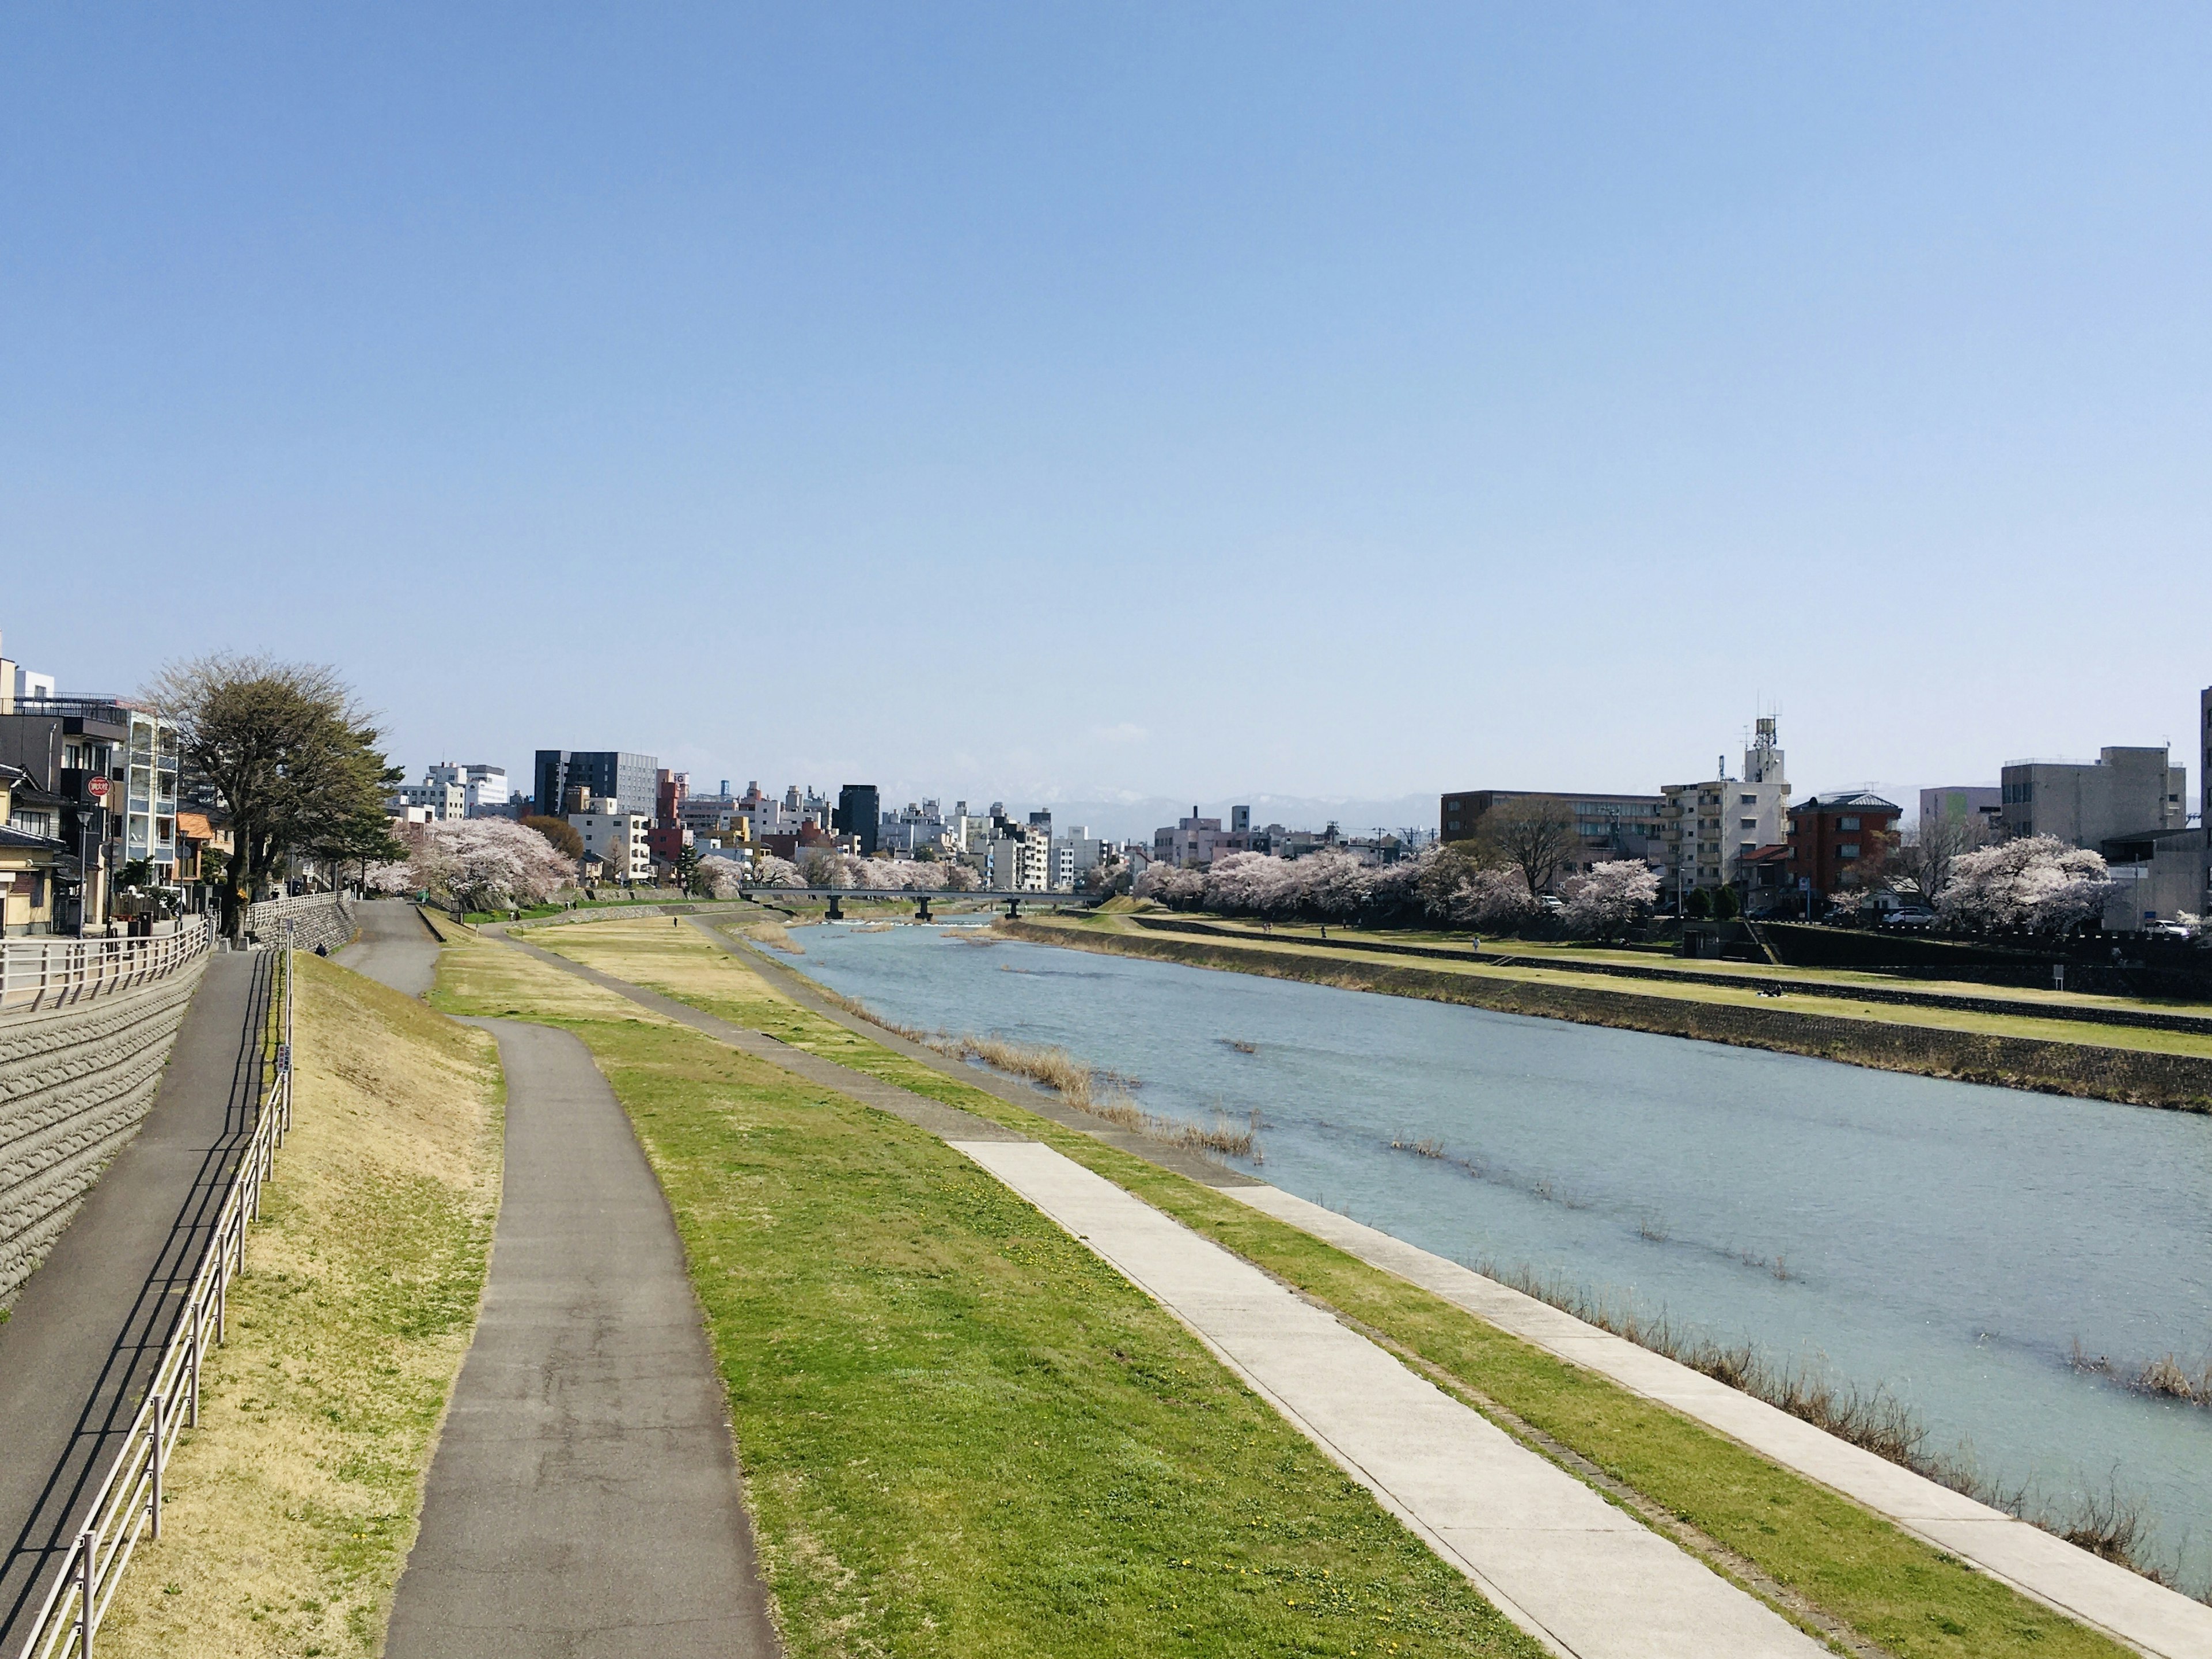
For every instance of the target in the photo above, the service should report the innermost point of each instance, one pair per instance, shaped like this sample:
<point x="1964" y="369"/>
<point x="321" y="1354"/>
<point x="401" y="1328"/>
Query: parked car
<point x="2168" y="930"/>
<point x="1910" y="915"/>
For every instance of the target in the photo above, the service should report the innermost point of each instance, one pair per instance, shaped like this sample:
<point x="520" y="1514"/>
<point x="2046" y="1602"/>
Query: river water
<point x="1952" y="1242"/>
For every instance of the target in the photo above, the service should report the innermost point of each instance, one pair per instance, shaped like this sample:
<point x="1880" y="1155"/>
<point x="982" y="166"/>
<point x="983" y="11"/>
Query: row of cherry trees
<point x="850" y="870"/>
<point x="1441" y="886"/>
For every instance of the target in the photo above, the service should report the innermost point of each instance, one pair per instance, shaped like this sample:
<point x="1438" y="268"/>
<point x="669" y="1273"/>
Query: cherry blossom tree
<point x="769" y="871"/>
<point x="394" y="877"/>
<point x="486" y="864"/>
<point x="1495" y="901"/>
<point x="2037" y="883"/>
<point x="1603" y="904"/>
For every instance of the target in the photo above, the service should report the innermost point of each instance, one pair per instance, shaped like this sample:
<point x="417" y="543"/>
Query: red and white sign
<point x="98" y="787"/>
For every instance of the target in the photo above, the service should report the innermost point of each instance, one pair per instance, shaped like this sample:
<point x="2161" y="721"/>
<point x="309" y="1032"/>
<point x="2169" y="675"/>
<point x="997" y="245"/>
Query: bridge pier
<point x="1013" y="908"/>
<point x="836" y="914"/>
<point x="922" y="906"/>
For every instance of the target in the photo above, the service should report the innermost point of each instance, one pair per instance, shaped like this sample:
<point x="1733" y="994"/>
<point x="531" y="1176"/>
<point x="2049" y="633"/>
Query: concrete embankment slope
<point x="2134" y="1076"/>
<point x="91" y="1323"/>
<point x="75" y="1084"/>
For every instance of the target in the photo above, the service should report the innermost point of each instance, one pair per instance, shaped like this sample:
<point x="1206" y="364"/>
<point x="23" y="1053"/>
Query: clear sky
<point x="1194" y="401"/>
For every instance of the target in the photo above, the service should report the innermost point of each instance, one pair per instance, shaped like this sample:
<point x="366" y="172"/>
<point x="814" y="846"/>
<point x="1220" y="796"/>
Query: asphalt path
<point x="89" y="1330"/>
<point x="396" y="947"/>
<point x="584" y="1499"/>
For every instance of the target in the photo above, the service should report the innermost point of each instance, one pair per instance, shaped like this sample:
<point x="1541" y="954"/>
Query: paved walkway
<point x="1584" y="1577"/>
<point x="1554" y="1556"/>
<point x="90" y="1326"/>
<point x="396" y="947"/>
<point x="2125" y="1604"/>
<point x="583" y="1499"/>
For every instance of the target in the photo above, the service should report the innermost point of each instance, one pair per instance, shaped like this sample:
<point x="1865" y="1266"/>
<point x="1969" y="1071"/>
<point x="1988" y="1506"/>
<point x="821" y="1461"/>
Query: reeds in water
<point x="2166" y="1376"/>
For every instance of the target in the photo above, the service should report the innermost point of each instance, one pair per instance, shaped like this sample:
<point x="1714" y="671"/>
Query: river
<point x="1952" y="1242"/>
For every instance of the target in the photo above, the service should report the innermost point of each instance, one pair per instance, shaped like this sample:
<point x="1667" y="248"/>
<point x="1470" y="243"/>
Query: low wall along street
<point x="2136" y="1077"/>
<point x="74" y="1082"/>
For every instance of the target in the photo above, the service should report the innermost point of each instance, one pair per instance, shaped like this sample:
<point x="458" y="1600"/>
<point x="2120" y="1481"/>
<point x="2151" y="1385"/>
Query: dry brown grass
<point x="776" y="937"/>
<point x="291" y="1507"/>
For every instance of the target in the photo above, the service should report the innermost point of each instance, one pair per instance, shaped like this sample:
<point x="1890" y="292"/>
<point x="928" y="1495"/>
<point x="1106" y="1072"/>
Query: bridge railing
<point x="128" y="1505"/>
<point x="46" y="973"/>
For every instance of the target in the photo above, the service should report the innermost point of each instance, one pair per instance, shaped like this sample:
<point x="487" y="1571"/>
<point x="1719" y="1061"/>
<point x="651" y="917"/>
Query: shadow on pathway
<point x="89" y="1330"/>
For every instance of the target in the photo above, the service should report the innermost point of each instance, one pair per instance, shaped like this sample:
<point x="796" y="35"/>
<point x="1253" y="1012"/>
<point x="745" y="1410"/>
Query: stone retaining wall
<point x="75" y="1084"/>
<point x="326" y="920"/>
<point x="2092" y="1071"/>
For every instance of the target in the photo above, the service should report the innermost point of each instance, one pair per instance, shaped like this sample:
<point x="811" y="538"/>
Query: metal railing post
<point x="153" y="1451"/>
<point x="87" y="1547"/>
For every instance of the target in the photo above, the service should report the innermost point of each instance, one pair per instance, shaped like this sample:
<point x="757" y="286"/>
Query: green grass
<point x="1103" y="931"/>
<point x="290" y="1509"/>
<point x="1913" y="1599"/>
<point x="962" y="1433"/>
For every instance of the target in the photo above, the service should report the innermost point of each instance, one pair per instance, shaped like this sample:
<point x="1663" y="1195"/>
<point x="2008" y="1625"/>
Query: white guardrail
<point x="45" y="973"/>
<point x="128" y="1505"/>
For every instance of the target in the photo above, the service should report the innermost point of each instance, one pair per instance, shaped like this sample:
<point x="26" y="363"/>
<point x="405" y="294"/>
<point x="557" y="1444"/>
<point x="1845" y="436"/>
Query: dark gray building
<point x="630" y="779"/>
<point x="860" y="813"/>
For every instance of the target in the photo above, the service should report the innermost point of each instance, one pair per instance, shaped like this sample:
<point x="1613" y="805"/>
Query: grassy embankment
<point x="290" y="1510"/>
<point x="2015" y="1050"/>
<point x="962" y="1433"/>
<point x="1852" y="1565"/>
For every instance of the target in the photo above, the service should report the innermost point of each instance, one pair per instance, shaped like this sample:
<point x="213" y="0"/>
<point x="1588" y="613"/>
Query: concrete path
<point x="583" y="1499"/>
<point x="1554" y="1556"/>
<point x="396" y="947"/>
<point x="90" y="1326"/>
<point x="1588" y="1578"/>
<point x="2125" y="1604"/>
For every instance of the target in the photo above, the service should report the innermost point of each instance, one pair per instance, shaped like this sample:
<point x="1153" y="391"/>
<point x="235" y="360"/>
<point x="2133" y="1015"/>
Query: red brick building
<point x="1842" y="842"/>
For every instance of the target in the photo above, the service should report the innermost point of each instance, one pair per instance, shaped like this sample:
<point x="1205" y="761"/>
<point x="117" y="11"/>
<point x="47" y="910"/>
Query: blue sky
<point x="1192" y="402"/>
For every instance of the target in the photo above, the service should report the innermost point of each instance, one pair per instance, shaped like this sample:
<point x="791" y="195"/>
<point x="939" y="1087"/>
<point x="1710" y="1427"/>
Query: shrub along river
<point x="1967" y="1248"/>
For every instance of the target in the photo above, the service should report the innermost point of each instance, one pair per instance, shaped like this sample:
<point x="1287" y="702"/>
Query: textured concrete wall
<point x="326" y="920"/>
<point x="2138" y="1077"/>
<point x="75" y="1084"/>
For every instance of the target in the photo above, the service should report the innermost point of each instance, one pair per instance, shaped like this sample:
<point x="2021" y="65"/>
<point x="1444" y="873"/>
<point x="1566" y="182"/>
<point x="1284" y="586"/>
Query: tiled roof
<point x="1856" y="800"/>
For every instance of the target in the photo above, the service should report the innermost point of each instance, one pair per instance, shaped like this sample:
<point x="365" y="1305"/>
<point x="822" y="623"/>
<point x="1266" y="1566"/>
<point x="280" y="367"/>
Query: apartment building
<point x="615" y="837"/>
<point x="1709" y="831"/>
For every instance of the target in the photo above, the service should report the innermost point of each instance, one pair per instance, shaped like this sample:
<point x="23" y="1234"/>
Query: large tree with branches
<point x="1535" y="834"/>
<point x="290" y="753"/>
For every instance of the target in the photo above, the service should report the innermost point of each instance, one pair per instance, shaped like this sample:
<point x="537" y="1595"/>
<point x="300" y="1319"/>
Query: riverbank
<point x="1849" y="1566"/>
<point x="288" y="1511"/>
<point x="961" y="1434"/>
<point x="2133" y="1066"/>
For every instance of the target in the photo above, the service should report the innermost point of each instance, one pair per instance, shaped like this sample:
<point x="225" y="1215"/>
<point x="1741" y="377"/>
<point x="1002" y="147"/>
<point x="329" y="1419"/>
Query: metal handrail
<point x="47" y="973"/>
<point x="128" y="1505"/>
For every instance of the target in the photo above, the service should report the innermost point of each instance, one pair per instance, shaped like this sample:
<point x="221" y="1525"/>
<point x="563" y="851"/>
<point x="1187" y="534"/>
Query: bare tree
<point x="1923" y="856"/>
<point x="292" y="755"/>
<point x="1535" y="834"/>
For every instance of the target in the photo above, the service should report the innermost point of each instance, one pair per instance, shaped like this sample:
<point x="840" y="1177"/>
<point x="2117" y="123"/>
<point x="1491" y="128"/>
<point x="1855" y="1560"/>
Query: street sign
<point x="1804" y="884"/>
<point x="99" y="788"/>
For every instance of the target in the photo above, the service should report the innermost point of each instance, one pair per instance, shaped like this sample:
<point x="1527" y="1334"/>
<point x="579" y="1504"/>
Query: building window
<point x="1847" y="824"/>
<point x="1848" y="850"/>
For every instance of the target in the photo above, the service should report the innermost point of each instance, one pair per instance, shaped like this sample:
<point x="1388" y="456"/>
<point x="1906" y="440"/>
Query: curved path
<point x="88" y="1331"/>
<point x="396" y="947"/>
<point x="584" y="1498"/>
